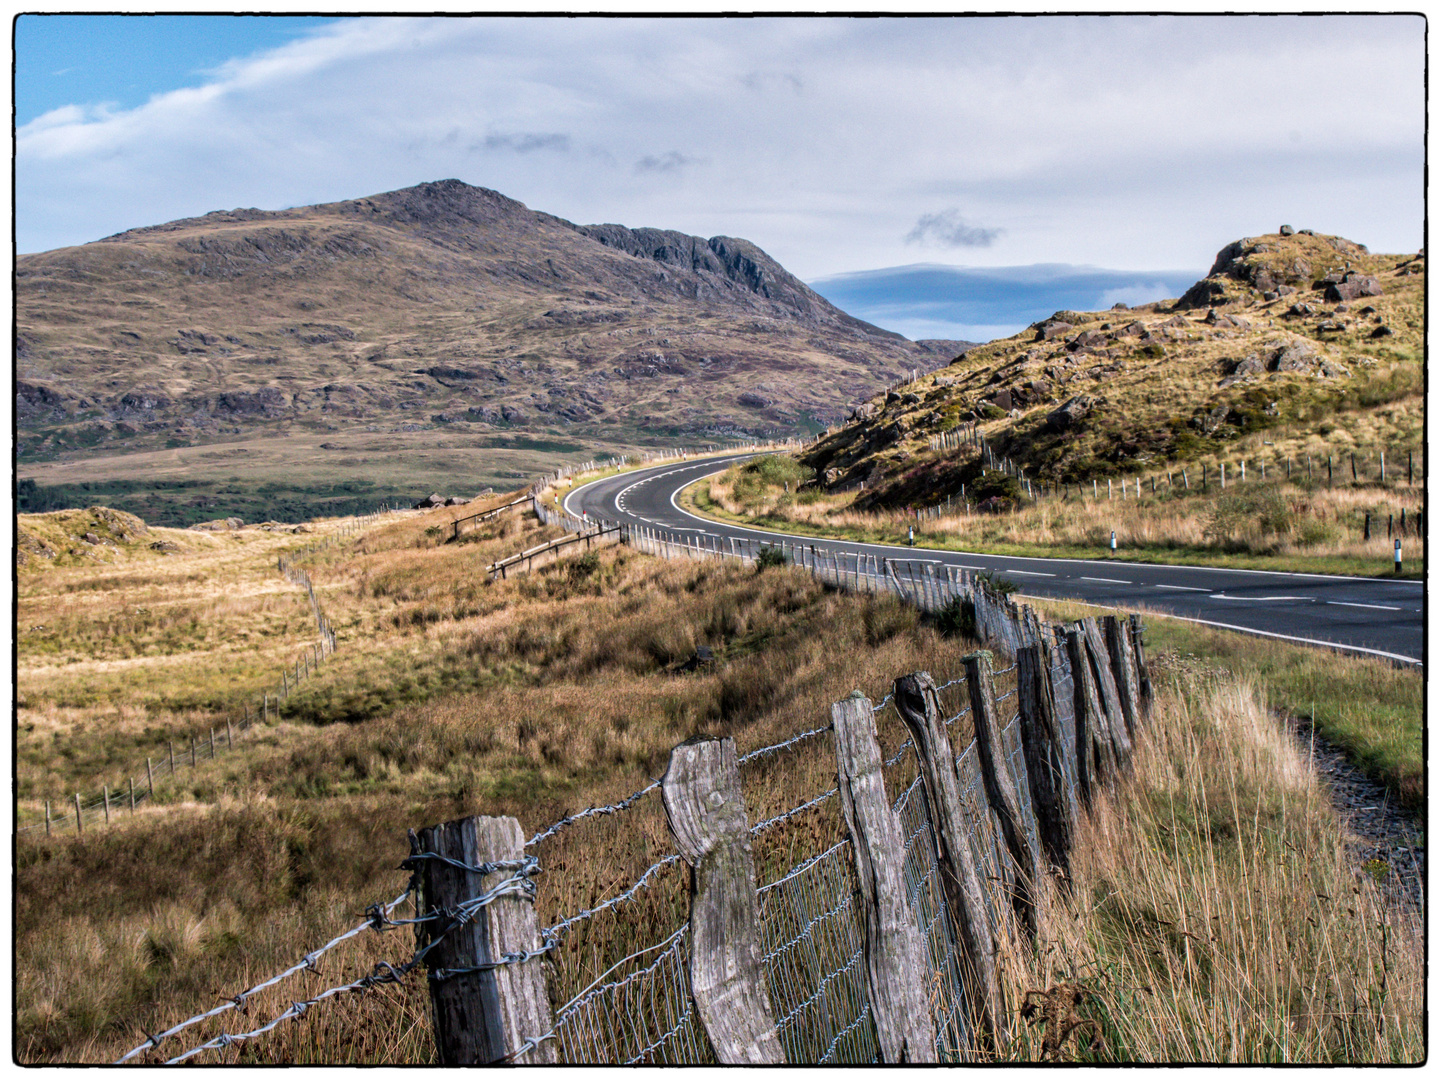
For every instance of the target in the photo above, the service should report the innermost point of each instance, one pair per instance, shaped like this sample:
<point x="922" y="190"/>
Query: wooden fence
<point x="879" y="946"/>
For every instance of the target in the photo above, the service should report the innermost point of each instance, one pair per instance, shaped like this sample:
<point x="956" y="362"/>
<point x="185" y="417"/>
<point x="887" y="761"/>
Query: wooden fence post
<point x="482" y="1016"/>
<point x="1094" y="752"/>
<point x="916" y="701"/>
<point x="895" y="961"/>
<point x="149" y="781"/>
<point x="171" y="744"/>
<point x="1001" y="791"/>
<point x="79" y="821"/>
<point x="1044" y="758"/>
<point x="106" y="797"/>
<point x="706" y="810"/>
<point x="1142" y="670"/>
<point x="132" y="794"/>
<point x="1109" y="695"/>
<point x="1122" y="667"/>
<point x="47" y="817"/>
<point x="229" y="735"/>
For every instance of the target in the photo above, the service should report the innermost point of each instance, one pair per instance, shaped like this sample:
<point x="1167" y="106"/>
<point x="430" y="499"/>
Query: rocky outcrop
<point x="1070" y="413"/>
<point x="1352" y="286"/>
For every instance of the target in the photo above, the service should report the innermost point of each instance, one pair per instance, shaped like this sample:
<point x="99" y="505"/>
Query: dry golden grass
<point x="1216" y="916"/>
<point x="1290" y="525"/>
<point x="534" y="697"/>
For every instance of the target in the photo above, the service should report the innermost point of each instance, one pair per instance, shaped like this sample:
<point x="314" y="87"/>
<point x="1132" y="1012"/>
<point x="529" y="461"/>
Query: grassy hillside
<point x="536" y="696"/>
<point x="1265" y="359"/>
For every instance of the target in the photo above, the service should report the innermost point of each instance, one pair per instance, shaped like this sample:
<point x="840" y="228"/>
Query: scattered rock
<point x="1051" y="330"/>
<point x="165" y="547"/>
<point x="1296" y="356"/>
<point x="1352" y="286"/>
<point x="219" y="525"/>
<point x="1381" y="332"/>
<point x="1299" y="311"/>
<point x="455" y="500"/>
<point x="1214" y="318"/>
<point x="1286" y="230"/>
<point x="90" y="538"/>
<point x="753" y="400"/>
<point x="1330" y="326"/>
<point x="1070" y="413"/>
<point x="430" y="501"/>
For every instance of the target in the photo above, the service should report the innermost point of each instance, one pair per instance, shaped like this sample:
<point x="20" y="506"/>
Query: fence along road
<point x="1372" y="616"/>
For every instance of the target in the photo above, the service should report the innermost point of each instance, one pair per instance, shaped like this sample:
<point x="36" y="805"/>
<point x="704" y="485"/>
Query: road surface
<point x="1365" y="615"/>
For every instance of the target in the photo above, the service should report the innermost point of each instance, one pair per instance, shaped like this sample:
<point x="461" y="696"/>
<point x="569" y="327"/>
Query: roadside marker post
<point x="1112" y="539"/>
<point x="1397" y="556"/>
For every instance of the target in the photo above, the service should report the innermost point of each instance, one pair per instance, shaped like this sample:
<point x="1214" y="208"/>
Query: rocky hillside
<point x="1292" y="335"/>
<point x="440" y="307"/>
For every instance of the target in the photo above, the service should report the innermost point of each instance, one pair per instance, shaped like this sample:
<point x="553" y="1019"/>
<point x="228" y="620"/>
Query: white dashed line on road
<point x="1108" y="580"/>
<point x="1372" y="607"/>
<point x="1182" y="588"/>
<point x="1032" y="573"/>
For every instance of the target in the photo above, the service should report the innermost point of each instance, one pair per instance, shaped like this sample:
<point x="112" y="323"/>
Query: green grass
<point x="1372" y="710"/>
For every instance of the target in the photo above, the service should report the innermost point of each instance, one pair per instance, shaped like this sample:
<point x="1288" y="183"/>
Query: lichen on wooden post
<point x="706" y="810"/>
<point x="916" y="699"/>
<point x="895" y="960"/>
<point x="1106" y="691"/>
<point x="482" y="1016"/>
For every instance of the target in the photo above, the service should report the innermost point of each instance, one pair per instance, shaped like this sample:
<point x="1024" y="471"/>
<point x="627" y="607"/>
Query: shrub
<point x="1237" y="516"/>
<point x="769" y="556"/>
<point x="956" y="619"/>
<point x="1003" y="586"/>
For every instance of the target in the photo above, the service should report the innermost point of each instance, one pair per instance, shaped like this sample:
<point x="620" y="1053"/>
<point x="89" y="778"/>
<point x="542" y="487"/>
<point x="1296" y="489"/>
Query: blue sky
<point x="124" y="60"/>
<point x="841" y="146"/>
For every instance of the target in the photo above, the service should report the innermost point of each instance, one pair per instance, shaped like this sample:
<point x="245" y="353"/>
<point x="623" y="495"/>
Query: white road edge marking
<point x="1291" y="637"/>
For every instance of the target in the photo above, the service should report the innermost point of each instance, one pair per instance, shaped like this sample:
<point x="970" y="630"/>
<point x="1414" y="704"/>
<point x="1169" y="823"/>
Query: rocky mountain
<point x="439" y="308"/>
<point x="1293" y="338"/>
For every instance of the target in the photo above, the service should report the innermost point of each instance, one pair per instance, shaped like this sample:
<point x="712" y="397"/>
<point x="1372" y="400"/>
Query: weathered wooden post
<point x="79" y="821"/>
<point x="1142" y="670"/>
<point x="706" y="810"/>
<point x="1094" y="752"/>
<point x="229" y="735"/>
<point x="192" y="750"/>
<point x="1105" y="687"/>
<point x="132" y="793"/>
<point x="895" y="962"/>
<point x="47" y="817"/>
<point x="484" y="1007"/>
<point x="171" y="744"/>
<point x="1122" y="669"/>
<point x="212" y="741"/>
<point x="106" y="797"/>
<point x="1044" y="759"/>
<point x="916" y="700"/>
<point x="1000" y="790"/>
<point x="149" y="781"/>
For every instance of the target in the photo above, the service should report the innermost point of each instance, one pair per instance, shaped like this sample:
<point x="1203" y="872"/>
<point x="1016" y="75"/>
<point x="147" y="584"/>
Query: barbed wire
<point x="306" y="963"/>
<point x="776" y="747"/>
<point x="518" y="884"/>
<point x="613" y="808"/>
<point x="788" y="814"/>
<point x="580" y="916"/>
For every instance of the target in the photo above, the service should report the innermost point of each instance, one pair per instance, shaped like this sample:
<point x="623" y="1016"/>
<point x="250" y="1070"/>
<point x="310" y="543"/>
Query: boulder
<point x="1286" y="230"/>
<point x="455" y="500"/>
<point x="1089" y="339"/>
<point x="1299" y="311"/>
<point x="1068" y="414"/>
<point x="1381" y="331"/>
<point x="219" y="525"/>
<point x="1352" y="286"/>
<point x="430" y="502"/>
<point x="1052" y="330"/>
<point x="1134" y="329"/>
<point x="1296" y="356"/>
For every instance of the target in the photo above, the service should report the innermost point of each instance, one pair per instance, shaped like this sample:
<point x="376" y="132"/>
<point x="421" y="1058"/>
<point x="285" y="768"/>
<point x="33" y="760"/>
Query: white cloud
<point x="1127" y="142"/>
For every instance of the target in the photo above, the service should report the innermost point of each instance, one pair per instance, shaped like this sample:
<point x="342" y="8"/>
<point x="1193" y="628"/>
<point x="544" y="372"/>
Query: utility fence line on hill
<point x="1221" y="474"/>
<point x="879" y="944"/>
<point x="135" y="791"/>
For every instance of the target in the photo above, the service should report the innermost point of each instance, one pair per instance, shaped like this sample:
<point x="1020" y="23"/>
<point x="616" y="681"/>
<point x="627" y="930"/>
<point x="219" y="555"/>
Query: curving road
<point x="1365" y="615"/>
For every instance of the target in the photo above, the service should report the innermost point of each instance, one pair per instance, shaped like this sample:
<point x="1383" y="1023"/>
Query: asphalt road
<point x="1364" y="615"/>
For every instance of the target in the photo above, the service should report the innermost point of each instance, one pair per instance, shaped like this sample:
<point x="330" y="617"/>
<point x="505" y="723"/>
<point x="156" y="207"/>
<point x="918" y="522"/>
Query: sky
<point x="842" y="146"/>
